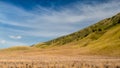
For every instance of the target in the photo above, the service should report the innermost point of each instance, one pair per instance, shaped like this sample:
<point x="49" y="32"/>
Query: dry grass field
<point x="48" y="61"/>
<point x="55" y="58"/>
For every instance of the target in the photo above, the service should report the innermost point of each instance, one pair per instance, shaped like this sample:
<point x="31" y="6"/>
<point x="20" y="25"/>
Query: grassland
<point x="48" y="61"/>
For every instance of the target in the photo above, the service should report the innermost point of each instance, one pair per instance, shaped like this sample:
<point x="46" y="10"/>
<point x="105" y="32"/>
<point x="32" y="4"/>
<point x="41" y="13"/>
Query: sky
<point x="26" y="22"/>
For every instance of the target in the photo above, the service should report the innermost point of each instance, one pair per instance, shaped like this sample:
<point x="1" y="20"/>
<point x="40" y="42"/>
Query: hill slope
<point x="97" y="30"/>
<point x="100" y="38"/>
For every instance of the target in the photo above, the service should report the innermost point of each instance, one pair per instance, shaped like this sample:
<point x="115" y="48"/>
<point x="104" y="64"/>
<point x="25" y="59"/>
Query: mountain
<point x="99" y="38"/>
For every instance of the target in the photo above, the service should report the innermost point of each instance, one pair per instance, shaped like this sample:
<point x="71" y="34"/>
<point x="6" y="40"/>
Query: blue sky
<point x="25" y="22"/>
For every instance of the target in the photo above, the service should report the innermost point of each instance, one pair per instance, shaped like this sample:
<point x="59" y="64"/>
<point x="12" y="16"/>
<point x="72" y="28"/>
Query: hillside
<point x="100" y="38"/>
<point x="97" y="30"/>
<point x="17" y="48"/>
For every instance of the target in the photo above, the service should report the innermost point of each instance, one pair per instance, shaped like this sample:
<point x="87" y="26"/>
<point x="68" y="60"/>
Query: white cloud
<point x="2" y="41"/>
<point x="16" y="37"/>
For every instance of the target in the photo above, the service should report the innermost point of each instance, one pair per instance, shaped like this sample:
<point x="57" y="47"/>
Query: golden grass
<point x="59" y="61"/>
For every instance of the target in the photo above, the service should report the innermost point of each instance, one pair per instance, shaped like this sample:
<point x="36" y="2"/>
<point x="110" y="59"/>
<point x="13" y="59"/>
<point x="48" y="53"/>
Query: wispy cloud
<point x="16" y="37"/>
<point x="47" y="22"/>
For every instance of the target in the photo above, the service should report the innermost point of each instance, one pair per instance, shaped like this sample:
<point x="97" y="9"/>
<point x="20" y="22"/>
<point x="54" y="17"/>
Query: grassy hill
<point x="100" y="38"/>
<point x="17" y="48"/>
<point x="94" y="32"/>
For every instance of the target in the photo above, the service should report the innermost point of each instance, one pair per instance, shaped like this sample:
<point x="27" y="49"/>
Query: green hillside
<point x="103" y="30"/>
